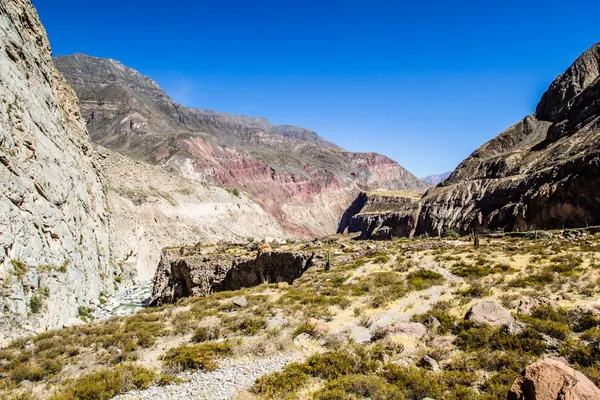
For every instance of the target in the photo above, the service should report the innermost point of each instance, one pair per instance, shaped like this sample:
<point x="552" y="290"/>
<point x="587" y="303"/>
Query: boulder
<point x="240" y="302"/>
<point x="410" y="329"/>
<point x="552" y="380"/>
<point x="529" y="304"/>
<point x="429" y="363"/>
<point x="489" y="312"/>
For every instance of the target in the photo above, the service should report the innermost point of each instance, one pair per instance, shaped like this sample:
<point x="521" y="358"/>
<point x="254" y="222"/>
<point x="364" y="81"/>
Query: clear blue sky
<point x="425" y="82"/>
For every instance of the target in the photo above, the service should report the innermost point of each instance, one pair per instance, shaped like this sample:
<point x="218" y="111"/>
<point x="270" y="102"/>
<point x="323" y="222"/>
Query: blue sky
<point x="424" y="83"/>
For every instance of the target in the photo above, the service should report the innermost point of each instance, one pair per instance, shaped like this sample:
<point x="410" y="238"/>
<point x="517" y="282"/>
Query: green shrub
<point x="107" y="383"/>
<point x="199" y="356"/>
<point x="422" y="279"/>
<point x="541" y="279"/>
<point x="358" y="387"/>
<point x="203" y="334"/>
<point x="470" y="337"/>
<point x="280" y="384"/>
<point x="35" y="303"/>
<point x="465" y="270"/>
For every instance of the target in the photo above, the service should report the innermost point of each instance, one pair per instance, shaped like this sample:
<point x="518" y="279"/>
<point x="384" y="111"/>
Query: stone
<point x="552" y="380"/>
<point x="411" y="329"/>
<point x="515" y="327"/>
<point x="429" y="363"/>
<point x="240" y="302"/>
<point x="529" y="304"/>
<point x="432" y="324"/>
<point x="320" y="326"/>
<point x="489" y="312"/>
<point x="283" y="285"/>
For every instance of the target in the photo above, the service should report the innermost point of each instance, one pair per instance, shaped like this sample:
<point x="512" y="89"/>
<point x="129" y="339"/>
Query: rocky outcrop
<point x="552" y="380"/>
<point x="198" y="271"/>
<point x="301" y="179"/>
<point x="381" y="214"/>
<point x="489" y="313"/>
<point x="541" y="173"/>
<point x="54" y="241"/>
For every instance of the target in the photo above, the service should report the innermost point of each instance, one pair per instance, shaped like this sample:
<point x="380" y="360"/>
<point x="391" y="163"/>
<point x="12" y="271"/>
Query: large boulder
<point x="552" y="380"/>
<point x="490" y="313"/>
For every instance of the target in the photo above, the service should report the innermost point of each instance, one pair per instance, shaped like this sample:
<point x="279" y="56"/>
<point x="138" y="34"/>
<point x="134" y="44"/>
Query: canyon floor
<point x="401" y="319"/>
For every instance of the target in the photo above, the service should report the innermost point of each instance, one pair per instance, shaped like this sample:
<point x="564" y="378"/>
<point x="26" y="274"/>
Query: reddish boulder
<point x="552" y="380"/>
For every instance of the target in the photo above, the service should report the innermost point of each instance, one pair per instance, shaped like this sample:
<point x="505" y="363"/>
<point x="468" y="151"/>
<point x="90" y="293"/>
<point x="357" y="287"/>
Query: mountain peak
<point x="584" y="71"/>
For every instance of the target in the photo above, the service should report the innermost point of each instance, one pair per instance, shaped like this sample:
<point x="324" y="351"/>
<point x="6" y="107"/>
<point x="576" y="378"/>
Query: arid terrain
<point x="154" y="251"/>
<point x="385" y="320"/>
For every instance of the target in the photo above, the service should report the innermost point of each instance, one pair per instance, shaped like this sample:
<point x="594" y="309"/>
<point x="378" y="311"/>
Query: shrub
<point x="470" y="337"/>
<point x="541" y="279"/>
<point x="107" y="383"/>
<point x="203" y="334"/>
<point x="440" y="312"/>
<point x="279" y="384"/>
<point x="199" y="356"/>
<point x="359" y="387"/>
<point x="465" y="270"/>
<point x="35" y="303"/>
<point x="423" y="279"/>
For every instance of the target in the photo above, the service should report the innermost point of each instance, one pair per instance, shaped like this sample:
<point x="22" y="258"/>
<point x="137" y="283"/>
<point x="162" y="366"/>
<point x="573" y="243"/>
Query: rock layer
<point x="300" y="178"/>
<point x="54" y="243"/>
<point x="198" y="271"/>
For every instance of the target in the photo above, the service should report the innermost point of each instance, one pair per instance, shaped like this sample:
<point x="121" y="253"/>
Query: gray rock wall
<point x="53" y="225"/>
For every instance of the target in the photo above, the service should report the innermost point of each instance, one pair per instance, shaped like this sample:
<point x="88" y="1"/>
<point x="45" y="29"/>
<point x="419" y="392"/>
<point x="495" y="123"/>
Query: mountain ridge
<point x="303" y="180"/>
<point x="540" y="173"/>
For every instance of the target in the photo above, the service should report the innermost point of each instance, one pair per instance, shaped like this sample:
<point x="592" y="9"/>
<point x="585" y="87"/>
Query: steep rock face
<point x="199" y="271"/>
<point x="303" y="180"/>
<point x="53" y="226"/>
<point x="541" y="173"/>
<point x="381" y="214"/>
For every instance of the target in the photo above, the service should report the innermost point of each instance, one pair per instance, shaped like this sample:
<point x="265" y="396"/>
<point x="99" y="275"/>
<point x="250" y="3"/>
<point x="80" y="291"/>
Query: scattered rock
<point x="515" y="327"/>
<point x="432" y="324"/>
<point x="240" y="302"/>
<point x="529" y="304"/>
<point x="430" y="363"/>
<point x="489" y="312"/>
<point x="410" y="329"/>
<point x="321" y="327"/>
<point x="552" y="380"/>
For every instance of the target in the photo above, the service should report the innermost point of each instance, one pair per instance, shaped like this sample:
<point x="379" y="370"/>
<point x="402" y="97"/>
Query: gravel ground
<point x="220" y="384"/>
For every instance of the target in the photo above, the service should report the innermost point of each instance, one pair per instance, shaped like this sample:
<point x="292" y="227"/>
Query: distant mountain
<point x="305" y="181"/>
<point x="436" y="178"/>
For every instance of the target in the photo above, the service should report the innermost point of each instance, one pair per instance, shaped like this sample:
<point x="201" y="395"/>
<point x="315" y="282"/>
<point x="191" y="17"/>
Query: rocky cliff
<point x="54" y="241"/>
<point x="200" y="271"/>
<point x="541" y="173"/>
<point x="300" y="178"/>
<point x="381" y="214"/>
